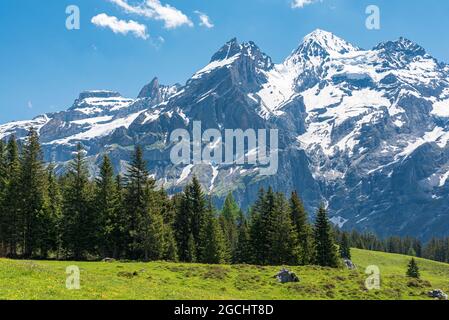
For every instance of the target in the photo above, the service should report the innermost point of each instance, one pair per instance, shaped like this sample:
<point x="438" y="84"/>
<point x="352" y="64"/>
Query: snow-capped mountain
<point x="364" y="131"/>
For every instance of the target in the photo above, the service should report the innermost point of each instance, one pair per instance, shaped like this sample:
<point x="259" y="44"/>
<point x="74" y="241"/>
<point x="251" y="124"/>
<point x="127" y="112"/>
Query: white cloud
<point x="30" y="105"/>
<point x="204" y="20"/>
<point x="153" y="9"/>
<point x="303" y="3"/>
<point x="121" y="26"/>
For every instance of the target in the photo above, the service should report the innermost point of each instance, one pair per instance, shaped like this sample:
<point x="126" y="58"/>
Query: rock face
<point x="437" y="294"/>
<point x="285" y="276"/>
<point x="364" y="131"/>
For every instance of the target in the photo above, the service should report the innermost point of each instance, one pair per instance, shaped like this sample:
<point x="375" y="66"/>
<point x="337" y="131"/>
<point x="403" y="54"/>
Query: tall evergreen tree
<point x="182" y="225"/>
<point x="11" y="214"/>
<point x="107" y="210"/>
<point x="303" y="229"/>
<point x="52" y="235"/>
<point x="33" y="197"/>
<point x="190" y="218"/>
<point x="282" y="237"/>
<point x="199" y="209"/>
<point x="79" y="222"/>
<point x="326" y="251"/>
<point x="258" y="236"/>
<point x="273" y="236"/>
<point x="136" y="201"/>
<point x="212" y="248"/>
<point x="3" y="186"/>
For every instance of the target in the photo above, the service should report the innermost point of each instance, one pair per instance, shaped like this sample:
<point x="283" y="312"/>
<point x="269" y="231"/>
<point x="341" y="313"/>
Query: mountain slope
<point x="364" y="131"/>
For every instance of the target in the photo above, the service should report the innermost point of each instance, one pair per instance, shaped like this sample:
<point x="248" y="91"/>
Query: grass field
<point x="160" y="280"/>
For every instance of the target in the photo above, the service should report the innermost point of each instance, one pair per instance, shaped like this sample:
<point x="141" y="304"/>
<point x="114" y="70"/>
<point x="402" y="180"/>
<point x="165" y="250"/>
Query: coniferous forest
<point x="75" y="216"/>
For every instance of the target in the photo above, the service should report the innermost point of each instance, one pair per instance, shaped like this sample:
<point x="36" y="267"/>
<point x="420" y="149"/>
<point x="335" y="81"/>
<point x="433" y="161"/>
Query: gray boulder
<point x="285" y="276"/>
<point x="438" y="294"/>
<point x="349" y="264"/>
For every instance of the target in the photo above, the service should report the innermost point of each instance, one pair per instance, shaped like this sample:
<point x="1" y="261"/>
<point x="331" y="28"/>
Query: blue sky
<point x="44" y="66"/>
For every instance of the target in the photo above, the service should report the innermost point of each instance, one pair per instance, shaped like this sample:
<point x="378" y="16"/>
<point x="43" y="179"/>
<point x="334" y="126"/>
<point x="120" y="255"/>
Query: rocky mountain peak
<point x="157" y="92"/>
<point x="230" y="49"/>
<point x="402" y="45"/>
<point x="322" y="44"/>
<point x="150" y="90"/>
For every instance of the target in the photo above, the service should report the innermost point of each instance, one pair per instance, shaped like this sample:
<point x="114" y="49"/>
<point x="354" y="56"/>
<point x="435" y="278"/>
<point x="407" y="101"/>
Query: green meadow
<point x="31" y="280"/>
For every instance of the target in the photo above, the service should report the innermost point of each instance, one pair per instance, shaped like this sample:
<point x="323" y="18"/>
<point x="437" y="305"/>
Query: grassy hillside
<point x="160" y="280"/>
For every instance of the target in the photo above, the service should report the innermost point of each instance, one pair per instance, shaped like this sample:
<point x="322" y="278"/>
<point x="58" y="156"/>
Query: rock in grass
<point x="438" y="294"/>
<point x="285" y="276"/>
<point x="108" y="260"/>
<point x="349" y="264"/>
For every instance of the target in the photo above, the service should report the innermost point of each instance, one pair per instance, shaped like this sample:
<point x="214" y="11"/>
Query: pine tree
<point x="136" y="201"/>
<point x="182" y="226"/>
<point x="33" y="197"/>
<point x="51" y="235"/>
<point x="345" y="250"/>
<point x="413" y="269"/>
<point x="190" y="217"/>
<point x="273" y="236"/>
<point x="303" y="229"/>
<point x="107" y="210"/>
<point x="326" y="252"/>
<point x="11" y="215"/>
<point x="212" y="248"/>
<point x="198" y="207"/>
<point x="79" y="223"/>
<point x="258" y="236"/>
<point x="3" y="186"/>
<point x="282" y="237"/>
<point x="150" y="236"/>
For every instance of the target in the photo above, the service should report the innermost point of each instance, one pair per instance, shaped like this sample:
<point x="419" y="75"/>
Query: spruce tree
<point x="212" y="248"/>
<point x="413" y="269"/>
<point x="151" y="234"/>
<point x="79" y="222"/>
<point x="273" y="236"/>
<point x="258" y="236"/>
<point x="326" y="252"/>
<point x="303" y="228"/>
<point x="52" y="236"/>
<point x="182" y="226"/>
<point x="136" y="202"/>
<point x="11" y="214"/>
<point x="345" y="247"/>
<point x="3" y="186"/>
<point x="33" y="197"/>
<point x="107" y="210"/>
<point x="281" y="237"/>
<point x="190" y="218"/>
<point x="198" y="209"/>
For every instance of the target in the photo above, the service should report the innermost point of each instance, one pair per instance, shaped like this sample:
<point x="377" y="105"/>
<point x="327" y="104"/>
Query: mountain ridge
<point x="364" y="131"/>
